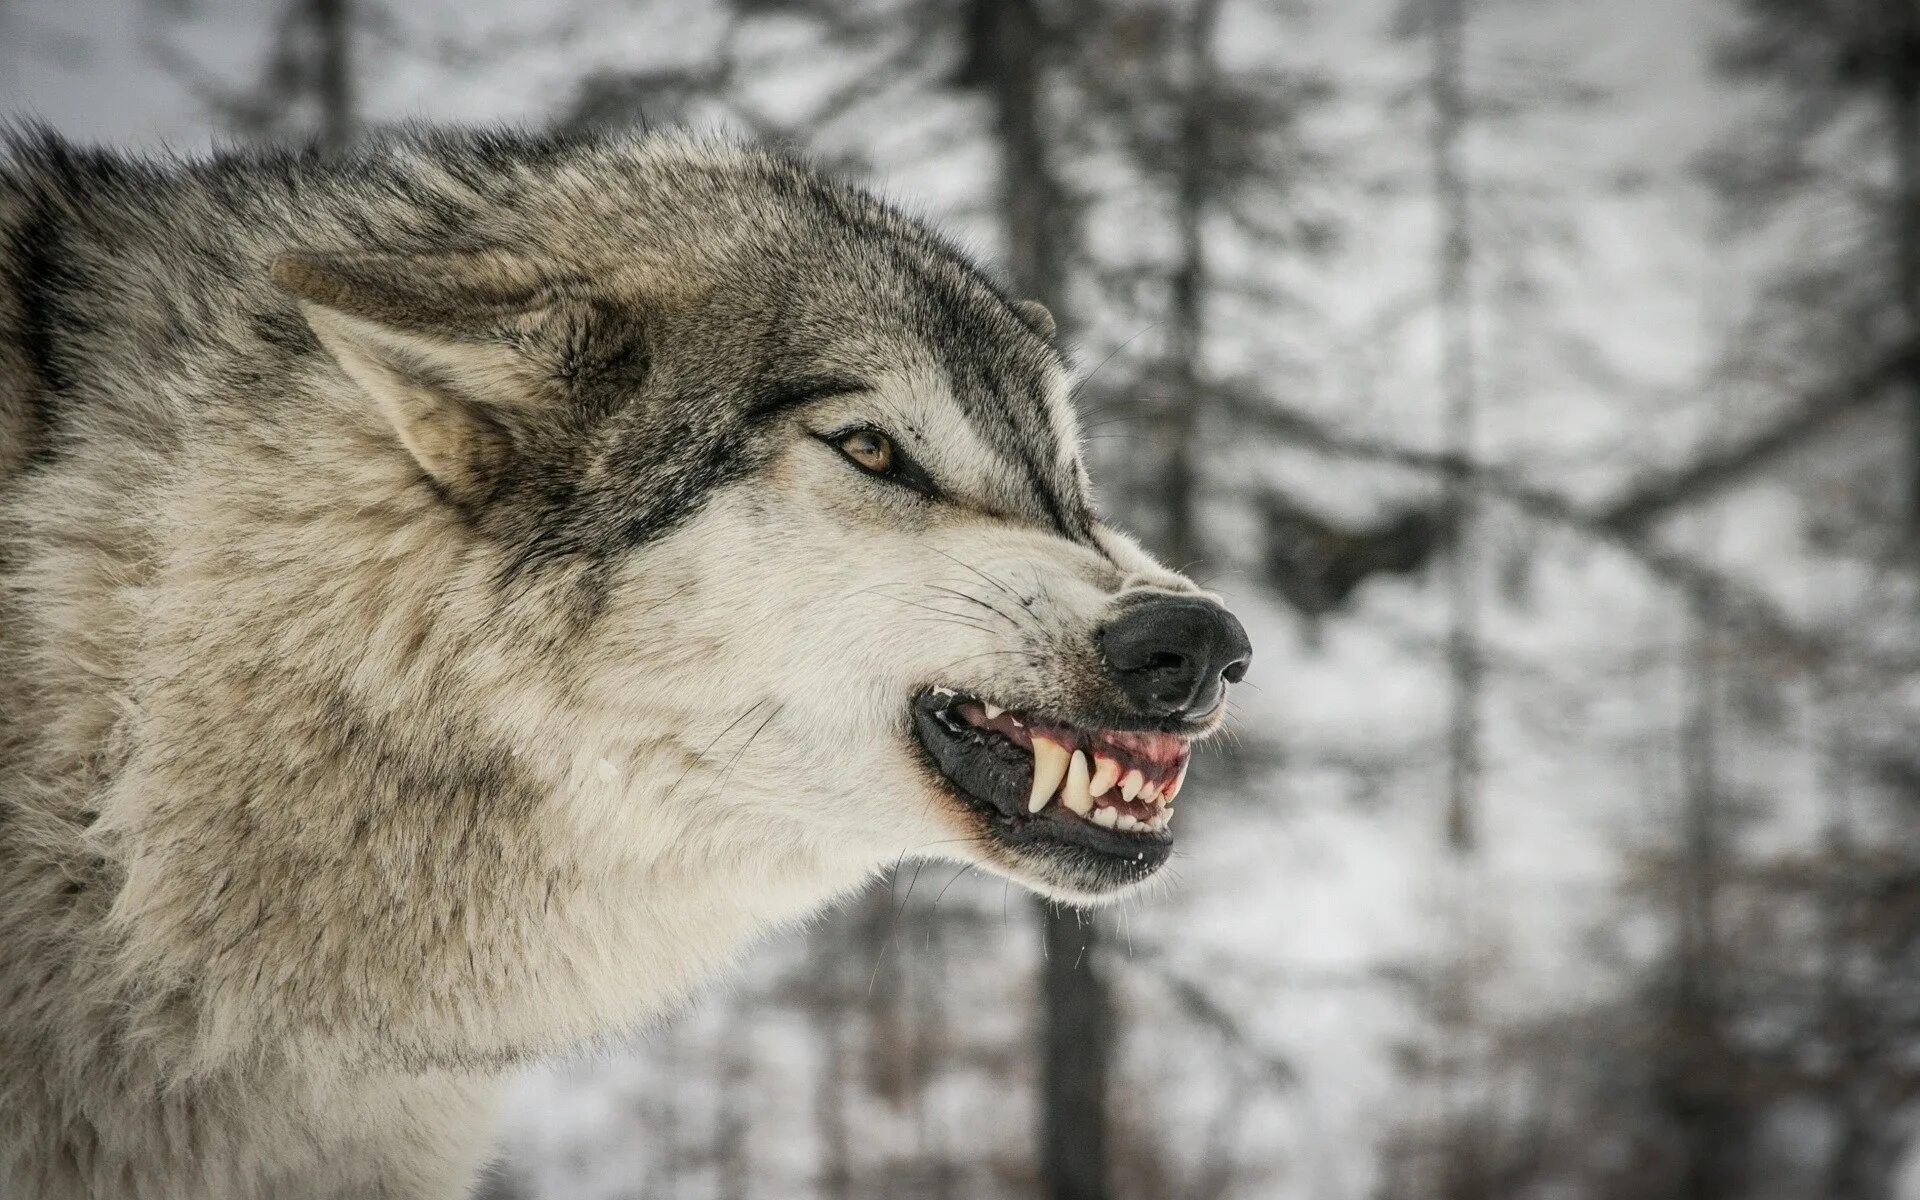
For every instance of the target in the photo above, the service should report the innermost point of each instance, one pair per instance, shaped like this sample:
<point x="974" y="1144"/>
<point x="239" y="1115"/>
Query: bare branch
<point x="1726" y="600"/>
<point x="1636" y="509"/>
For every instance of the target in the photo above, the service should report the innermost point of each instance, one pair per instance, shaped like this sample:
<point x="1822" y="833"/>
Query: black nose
<point x="1175" y="655"/>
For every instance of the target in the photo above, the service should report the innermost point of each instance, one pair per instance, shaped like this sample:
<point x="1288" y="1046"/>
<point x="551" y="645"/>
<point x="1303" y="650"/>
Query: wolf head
<point x="791" y="544"/>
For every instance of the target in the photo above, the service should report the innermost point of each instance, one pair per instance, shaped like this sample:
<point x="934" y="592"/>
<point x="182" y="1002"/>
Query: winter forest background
<point x="1540" y="379"/>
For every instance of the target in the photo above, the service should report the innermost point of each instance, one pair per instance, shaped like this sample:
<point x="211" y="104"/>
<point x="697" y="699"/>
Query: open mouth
<point x="1107" y="792"/>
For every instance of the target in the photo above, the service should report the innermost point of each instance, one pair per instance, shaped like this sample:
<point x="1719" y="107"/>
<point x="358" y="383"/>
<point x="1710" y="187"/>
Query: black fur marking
<point x="989" y="352"/>
<point x="999" y="391"/>
<point x="284" y="331"/>
<point x="429" y="772"/>
<point x="39" y="284"/>
<point x="775" y="399"/>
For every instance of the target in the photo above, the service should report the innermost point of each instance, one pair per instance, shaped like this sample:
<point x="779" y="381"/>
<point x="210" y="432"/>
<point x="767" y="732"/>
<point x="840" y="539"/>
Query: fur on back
<point x="331" y="788"/>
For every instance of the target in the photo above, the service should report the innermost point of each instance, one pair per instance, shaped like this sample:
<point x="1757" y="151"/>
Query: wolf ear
<point x="435" y="343"/>
<point x="1037" y="317"/>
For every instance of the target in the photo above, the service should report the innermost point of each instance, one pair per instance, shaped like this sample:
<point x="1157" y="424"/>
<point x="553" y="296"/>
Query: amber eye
<point x="871" y="451"/>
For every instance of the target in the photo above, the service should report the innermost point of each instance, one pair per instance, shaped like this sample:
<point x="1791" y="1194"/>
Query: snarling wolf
<point x="457" y="593"/>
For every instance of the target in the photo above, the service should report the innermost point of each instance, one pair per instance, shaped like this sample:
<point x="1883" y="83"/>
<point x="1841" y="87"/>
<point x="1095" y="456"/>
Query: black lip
<point x="994" y="777"/>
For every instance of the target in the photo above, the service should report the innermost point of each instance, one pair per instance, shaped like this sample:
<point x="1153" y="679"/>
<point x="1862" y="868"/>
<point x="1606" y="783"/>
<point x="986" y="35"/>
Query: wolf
<point x="460" y="592"/>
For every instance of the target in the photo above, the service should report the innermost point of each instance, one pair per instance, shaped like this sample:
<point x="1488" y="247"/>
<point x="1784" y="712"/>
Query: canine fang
<point x="1049" y="768"/>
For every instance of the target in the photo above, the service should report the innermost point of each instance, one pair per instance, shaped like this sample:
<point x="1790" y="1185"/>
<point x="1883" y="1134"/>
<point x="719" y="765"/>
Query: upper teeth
<point x="1075" y="795"/>
<point x="1078" y="777"/>
<point x="1049" y="768"/>
<point x="1106" y="772"/>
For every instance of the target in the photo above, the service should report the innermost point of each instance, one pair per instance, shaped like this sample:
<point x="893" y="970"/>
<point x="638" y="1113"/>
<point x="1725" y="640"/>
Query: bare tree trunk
<point x="1076" y="1016"/>
<point x="1465" y="1169"/>
<point x="1458" y="383"/>
<point x="830" y="1000"/>
<point x="1865" y="1156"/>
<point x="733" y="1167"/>
<point x="304" y="92"/>
<point x="1699" y="1086"/>
<point x="930" y="1027"/>
<point x="1838" y="1012"/>
<point x="1014" y="42"/>
<point x="1903" y="98"/>
<point x="1186" y="317"/>
<point x="330" y="25"/>
<point x="667" y="1180"/>
<point x="1076" y="1040"/>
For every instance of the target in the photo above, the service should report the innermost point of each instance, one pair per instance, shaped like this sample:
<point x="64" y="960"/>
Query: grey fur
<point x="430" y="638"/>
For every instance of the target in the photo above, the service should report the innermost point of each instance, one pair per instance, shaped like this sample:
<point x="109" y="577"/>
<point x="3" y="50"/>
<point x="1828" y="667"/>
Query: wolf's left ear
<point x="457" y="351"/>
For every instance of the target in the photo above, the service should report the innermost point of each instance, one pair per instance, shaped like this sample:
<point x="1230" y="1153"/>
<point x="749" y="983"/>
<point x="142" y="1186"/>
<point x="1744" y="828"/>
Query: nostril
<point x="1169" y="654"/>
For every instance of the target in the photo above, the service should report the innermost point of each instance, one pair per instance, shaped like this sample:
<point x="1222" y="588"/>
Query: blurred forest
<point x="1539" y="378"/>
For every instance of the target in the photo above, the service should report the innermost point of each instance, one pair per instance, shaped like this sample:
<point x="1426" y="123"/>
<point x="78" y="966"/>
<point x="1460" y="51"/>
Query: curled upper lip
<point x="1187" y="728"/>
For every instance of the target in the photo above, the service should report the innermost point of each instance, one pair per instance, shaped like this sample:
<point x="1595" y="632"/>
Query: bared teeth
<point x="1080" y="778"/>
<point x="1049" y="768"/>
<point x="1075" y="795"/>
<point x="1106" y="773"/>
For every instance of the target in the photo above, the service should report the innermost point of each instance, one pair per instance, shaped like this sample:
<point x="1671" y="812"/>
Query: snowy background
<point x="1539" y="379"/>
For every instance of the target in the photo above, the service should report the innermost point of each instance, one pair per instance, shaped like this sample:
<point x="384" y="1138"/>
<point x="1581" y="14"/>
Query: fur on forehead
<point x="713" y="289"/>
<point x="970" y="458"/>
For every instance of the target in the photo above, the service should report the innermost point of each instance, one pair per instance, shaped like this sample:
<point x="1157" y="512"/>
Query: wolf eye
<point x="869" y="450"/>
<point x="875" y="453"/>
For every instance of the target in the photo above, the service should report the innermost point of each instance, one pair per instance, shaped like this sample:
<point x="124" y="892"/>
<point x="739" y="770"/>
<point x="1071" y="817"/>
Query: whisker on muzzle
<point x="991" y="581"/>
<point x="975" y="600"/>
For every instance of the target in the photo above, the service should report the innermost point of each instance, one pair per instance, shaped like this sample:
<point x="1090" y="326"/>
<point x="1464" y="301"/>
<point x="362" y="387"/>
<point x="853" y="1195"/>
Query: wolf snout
<point x="1173" y="656"/>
